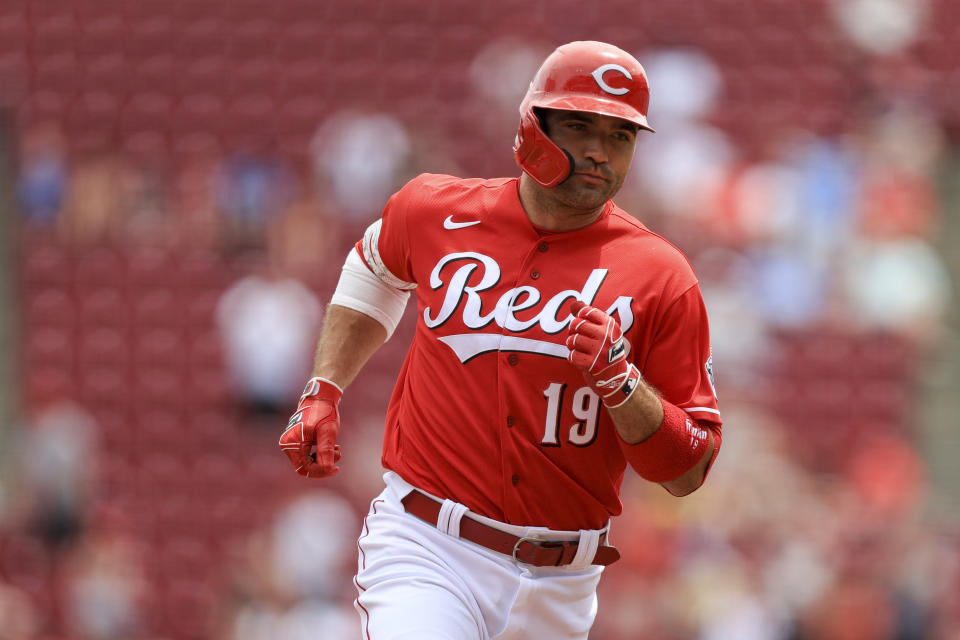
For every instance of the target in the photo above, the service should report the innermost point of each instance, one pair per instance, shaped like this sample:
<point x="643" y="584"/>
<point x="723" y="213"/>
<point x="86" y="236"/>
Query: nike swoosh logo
<point x="450" y="224"/>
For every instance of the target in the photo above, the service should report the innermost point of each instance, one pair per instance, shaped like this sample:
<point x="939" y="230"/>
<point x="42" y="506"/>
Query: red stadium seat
<point x="104" y="387"/>
<point x="157" y="72"/>
<point x="97" y="110"/>
<point x="59" y="72"/>
<point x="206" y="389"/>
<point x="197" y="112"/>
<point x="104" y="306"/>
<point x="48" y="346"/>
<point x="161" y="436"/>
<point x="100" y="267"/>
<point x="303" y="40"/>
<point x="149" y="267"/>
<point x="159" y="346"/>
<point x="48" y="383"/>
<point x="208" y="430"/>
<point x="116" y="473"/>
<point x="157" y="308"/>
<point x="149" y="111"/>
<point x="118" y="441"/>
<point x="14" y="67"/>
<point x="55" y="33"/>
<point x="214" y="472"/>
<point x="258" y="76"/>
<point x="204" y="350"/>
<point x="149" y="35"/>
<point x="44" y="263"/>
<point x="14" y="33"/>
<point x="101" y="34"/>
<point x="106" y="72"/>
<point x="49" y="306"/>
<point x="254" y="37"/>
<point x="250" y="113"/>
<point x="201" y="37"/>
<point x="408" y="13"/>
<point x="191" y="144"/>
<point x="203" y="270"/>
<point x="104" y="346"/>
<point x="44" y="107"/>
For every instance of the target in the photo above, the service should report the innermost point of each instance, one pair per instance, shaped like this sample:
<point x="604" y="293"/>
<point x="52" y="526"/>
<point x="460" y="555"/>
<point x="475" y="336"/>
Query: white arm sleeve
<point x="361" y="290"/>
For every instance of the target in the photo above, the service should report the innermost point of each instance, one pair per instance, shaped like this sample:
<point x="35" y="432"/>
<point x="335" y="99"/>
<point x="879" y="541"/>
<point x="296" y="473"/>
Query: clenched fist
<point x="597" y="348"/>
<point x="310" y="438"/>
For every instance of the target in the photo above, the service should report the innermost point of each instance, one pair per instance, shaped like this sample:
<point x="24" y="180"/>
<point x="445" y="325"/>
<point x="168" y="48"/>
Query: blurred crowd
<point x="818" y="251"/>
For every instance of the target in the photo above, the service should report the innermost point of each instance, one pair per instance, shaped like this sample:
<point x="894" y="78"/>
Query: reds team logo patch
<point x="708" y="366"/>
<point x="599" y="72"/>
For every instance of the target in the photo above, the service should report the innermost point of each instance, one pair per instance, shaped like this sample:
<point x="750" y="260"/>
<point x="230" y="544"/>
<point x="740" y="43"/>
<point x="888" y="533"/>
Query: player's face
<point x="602" y="149"/>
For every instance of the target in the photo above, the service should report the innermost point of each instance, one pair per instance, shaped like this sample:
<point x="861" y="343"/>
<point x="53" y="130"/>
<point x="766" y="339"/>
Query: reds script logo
<point x="466" y="298"/>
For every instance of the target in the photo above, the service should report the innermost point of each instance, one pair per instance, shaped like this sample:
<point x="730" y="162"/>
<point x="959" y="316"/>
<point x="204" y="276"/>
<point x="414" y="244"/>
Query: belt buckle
<point x="532" y="539"/>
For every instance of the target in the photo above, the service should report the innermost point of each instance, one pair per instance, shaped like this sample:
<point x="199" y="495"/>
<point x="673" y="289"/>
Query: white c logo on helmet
<point x="598" y="76"/>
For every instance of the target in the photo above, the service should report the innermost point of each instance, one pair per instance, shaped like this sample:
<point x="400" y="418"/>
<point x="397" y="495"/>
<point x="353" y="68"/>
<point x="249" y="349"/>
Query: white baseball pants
<point x="416" y="582"/>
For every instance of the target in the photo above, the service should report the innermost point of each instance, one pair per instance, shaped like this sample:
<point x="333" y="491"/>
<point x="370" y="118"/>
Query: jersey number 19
<point x="585" y="408"/>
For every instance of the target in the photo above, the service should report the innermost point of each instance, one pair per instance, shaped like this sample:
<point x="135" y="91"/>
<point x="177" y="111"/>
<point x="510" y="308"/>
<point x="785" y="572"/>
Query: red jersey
<point x="487" y="411"/>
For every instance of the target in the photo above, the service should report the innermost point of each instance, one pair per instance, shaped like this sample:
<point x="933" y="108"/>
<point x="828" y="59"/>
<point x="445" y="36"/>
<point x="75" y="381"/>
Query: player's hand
<point x="598" y="348"/>
<point x="310" y="438"/>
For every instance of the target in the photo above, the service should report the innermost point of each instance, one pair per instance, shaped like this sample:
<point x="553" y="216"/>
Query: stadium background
<point x="156" y="155"/>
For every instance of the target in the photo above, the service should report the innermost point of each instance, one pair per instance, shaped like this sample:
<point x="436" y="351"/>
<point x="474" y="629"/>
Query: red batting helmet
<point x="580" y="76"/>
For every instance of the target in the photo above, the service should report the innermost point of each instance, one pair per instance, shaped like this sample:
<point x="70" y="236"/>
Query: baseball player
<point x="558" y="341"/>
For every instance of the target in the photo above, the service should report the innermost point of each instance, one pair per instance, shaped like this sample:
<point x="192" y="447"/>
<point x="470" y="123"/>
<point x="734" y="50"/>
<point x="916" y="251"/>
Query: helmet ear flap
<point x="539" y="156"/>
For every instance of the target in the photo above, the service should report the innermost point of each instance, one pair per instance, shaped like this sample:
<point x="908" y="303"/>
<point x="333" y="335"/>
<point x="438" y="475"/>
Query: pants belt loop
<point x="448" y="520"/>
<point x="586" y="549"/>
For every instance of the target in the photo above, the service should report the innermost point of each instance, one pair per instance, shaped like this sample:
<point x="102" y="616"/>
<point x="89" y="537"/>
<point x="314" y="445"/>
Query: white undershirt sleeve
<point x="362" y="290"/>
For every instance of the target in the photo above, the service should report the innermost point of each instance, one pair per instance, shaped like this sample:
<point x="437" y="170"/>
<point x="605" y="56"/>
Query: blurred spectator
<point x="144" y="192"/>
<point x="360" y="158"/>
<point x="306" y="236"/>
<point x="499" y="73"/>
<point x="789" y="290"/>
<point x="901" y="149"/>
<point x="268" y="323"/>
<point x="42" y="179"/>
<point x="686" y="82"/>
<point x="900" y="284"/>
<point x="827" y="175"/>
<point x="195" y="215"/>
<point x="681" y="166"/>
<point x="312" y="542"/>
<point x="738" y="333"/>
<point x="104" y="585"/>
<point x="58" y="455"/>
<point x="880" y="26"/>
<point x="251" y="189"/>
<point x="290" y="580"/>
<point x="93" y="211"/>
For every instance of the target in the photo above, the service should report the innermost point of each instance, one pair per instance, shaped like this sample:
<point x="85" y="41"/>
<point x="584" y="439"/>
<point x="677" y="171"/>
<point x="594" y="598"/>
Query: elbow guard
<point x="361" y="290"/>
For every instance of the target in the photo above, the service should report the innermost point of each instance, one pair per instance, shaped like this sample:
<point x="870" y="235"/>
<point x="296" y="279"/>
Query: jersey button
<point x="543" y="247"/>
<point x="513" y="359"/>
<point x="509" y="421"/>
<point x="534" y="274"/>
<point x="515" y="479"/>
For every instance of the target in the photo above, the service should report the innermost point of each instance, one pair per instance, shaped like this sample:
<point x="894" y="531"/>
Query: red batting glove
<point x="315" y="424"/>
<point x="598" y="349"/>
